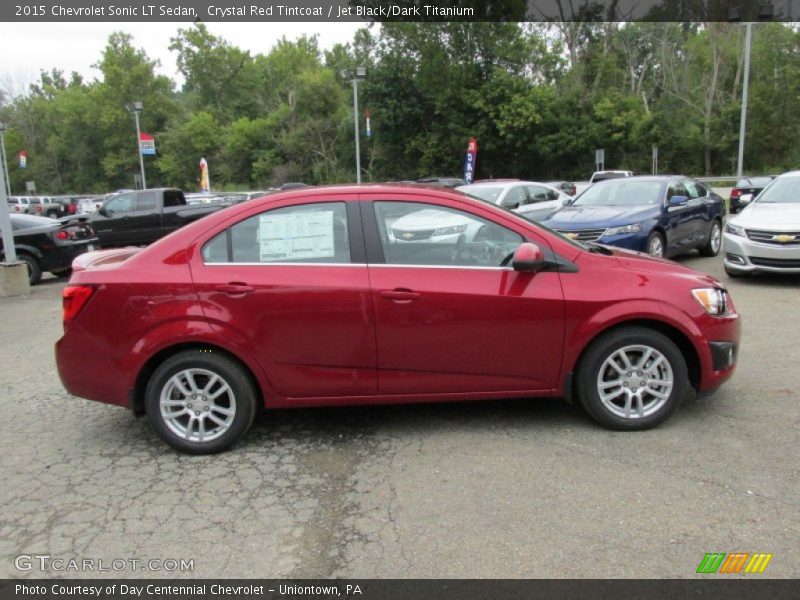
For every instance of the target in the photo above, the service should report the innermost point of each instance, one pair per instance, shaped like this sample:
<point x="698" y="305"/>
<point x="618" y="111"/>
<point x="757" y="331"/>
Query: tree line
<point x="540" y="98"/>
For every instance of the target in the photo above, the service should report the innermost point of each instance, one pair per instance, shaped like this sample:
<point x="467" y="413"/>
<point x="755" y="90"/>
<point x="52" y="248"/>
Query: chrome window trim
<point x="281" y="264"/>
<point x="381" y="265"/>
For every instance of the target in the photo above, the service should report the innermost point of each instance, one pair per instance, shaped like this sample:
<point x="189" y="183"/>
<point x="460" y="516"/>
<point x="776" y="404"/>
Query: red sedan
<point x="384" y="294"/>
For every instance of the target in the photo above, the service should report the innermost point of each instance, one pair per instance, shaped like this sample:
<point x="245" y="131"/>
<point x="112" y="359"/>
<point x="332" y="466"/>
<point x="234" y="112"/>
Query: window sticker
<point x="294" y="236"/>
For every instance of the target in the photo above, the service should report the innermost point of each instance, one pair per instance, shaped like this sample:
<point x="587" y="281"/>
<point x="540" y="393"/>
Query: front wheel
<point x="632" y="378"/>
<point x="655" y="245"/>
<point x="200" y="401"/>
<point x="714" y="240"/>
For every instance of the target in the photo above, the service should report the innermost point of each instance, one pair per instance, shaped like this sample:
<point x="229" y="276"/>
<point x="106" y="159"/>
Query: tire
<point x="52" y="214"/>
<point x="636" y="343"/>
<point x="714" y="242"/>
<point x="34" y="270"/>
<point x="62" y="272"/>
<point x="654" y="242"/>
<point x="224" y="419"/>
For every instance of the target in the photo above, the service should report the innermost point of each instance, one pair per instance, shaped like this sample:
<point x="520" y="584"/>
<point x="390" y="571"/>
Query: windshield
<point x="487" y="193"/>
<point x="753" y="182"/>
<point x="622" y="193"/>
<point x="785" y="190"/>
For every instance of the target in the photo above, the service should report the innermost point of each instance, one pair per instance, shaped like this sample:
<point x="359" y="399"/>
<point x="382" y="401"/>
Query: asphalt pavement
<point x="510" y="489"/>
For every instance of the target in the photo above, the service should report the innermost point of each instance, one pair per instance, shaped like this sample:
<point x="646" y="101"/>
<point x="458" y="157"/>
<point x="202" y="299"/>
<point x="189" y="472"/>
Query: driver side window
<point x="414" y="233"/>
<point x="120" y="204"/>
<point x="676" y="189"/>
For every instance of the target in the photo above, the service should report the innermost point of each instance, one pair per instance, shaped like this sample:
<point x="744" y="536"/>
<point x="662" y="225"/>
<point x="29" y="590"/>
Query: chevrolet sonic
<point x="307" y="298"/>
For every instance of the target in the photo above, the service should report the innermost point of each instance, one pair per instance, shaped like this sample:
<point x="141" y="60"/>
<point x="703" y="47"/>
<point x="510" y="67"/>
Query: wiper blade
<point x="597" y="248"/>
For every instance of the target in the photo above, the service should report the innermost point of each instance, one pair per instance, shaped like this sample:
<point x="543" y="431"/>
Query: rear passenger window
<point x="146" y="201"/>
<point x="309" y="233"/>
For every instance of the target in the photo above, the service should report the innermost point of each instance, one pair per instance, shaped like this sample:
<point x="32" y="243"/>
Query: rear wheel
<point x="62" y="272"/>
<point x="34" y="270"/>
<point x="714" y="240"/>
<point x="53" y="214"/>
<point x="200" y="401"/>
<point x="632" y="378"/>
<point x="655" y="244"/>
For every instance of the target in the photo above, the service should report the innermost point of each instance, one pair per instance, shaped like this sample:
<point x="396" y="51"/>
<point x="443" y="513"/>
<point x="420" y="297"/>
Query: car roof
<point x="503" y="183"/>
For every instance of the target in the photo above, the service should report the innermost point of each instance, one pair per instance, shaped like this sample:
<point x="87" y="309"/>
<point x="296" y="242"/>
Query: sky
<point x="28" y="48"/>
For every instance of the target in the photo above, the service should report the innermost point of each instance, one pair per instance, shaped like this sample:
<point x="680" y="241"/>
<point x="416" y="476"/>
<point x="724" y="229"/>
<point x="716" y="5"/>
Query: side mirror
<point x="568" y="202"/>
<point x="528" y="257"/>
<point x="104" y="211"/>
<point x="513" y="205"/>
<point x="678" y="200"/>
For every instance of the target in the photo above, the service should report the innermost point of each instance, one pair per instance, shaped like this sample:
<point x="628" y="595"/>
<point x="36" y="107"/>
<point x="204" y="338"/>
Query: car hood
<point x="600" y="216"/>
<point x="642" y="263"/>
<point x="429" y="218"/>
<point x="776" y="216"/>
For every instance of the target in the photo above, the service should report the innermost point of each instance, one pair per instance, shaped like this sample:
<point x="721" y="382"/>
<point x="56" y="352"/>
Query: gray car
<point x="765" y="235"/>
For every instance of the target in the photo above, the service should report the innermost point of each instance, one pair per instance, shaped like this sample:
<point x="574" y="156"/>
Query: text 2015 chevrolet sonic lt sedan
<point x="305" y="298"/>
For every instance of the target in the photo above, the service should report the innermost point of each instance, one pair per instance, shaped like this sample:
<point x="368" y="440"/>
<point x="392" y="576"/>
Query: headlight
<point x="450" y="230"/>
<point x="634" y="228"/>
<point x="713" y="300"/>
<point x="734" y="229"/>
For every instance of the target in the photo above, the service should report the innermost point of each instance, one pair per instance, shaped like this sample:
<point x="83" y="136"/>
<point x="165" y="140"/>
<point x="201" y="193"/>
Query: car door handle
<point x="235" y="288"/>
<point x="400" y="295"/>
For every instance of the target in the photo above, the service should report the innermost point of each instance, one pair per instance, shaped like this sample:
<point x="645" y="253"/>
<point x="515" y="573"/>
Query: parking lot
<point x="499" y="489"/>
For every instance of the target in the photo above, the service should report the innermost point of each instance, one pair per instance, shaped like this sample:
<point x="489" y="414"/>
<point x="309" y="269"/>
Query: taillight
<point x="62" y="235"/>
<point x="736" y="193"/>
<point x="38" y="209"/>
<point x="73" y="299"/>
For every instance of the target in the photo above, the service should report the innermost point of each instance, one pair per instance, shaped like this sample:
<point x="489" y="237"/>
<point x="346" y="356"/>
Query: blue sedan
<point x="662" y="215"/>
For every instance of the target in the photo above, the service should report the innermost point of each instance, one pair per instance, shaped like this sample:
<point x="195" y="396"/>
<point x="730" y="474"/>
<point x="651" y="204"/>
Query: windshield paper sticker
<point x="296" y="236"/>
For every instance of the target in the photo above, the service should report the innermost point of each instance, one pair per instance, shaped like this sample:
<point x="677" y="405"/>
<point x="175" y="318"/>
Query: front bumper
<point x="743" y="255"/>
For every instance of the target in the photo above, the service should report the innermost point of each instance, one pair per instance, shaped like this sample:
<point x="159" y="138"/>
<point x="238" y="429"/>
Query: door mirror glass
<point x="528" y="257"/>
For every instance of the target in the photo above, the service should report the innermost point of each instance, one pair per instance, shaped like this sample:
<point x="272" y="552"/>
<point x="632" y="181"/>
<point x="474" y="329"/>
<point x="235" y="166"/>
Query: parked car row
<point x="46" y="244"/>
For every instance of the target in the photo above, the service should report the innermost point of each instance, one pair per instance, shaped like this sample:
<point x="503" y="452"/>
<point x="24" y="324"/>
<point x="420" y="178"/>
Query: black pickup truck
<point x="141" y="217"/>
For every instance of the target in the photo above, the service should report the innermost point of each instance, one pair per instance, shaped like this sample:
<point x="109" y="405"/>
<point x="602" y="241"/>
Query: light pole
<point x="765" y="13"/>
<point x="360" y="74"/>
<point x="743" y="116"/>
<point x="137" y="108"/>
<point x="5" y="220"/>
<point x="3" y="152"/>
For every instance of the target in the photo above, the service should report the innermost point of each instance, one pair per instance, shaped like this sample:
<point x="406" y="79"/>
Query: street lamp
<point x="137" y="108"/>
<point x="765" y="13"/>
<point x="3" y="152"/>
<point x="5" y="221"/>
<point x="360" y="74"/>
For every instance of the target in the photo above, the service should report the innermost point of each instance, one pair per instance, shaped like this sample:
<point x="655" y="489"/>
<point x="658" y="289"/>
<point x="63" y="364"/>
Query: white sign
<point x="295" y="236"/>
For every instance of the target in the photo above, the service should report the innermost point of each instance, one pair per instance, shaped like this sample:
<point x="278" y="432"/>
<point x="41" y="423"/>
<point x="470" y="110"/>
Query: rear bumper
<point x="61" y="257"/>
<point x="79" y="359"/>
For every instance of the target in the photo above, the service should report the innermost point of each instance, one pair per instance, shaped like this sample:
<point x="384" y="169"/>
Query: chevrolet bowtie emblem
<point x="408" y="235"/>
<point x="571" y="235"/>
<point x="783" y="238"/>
